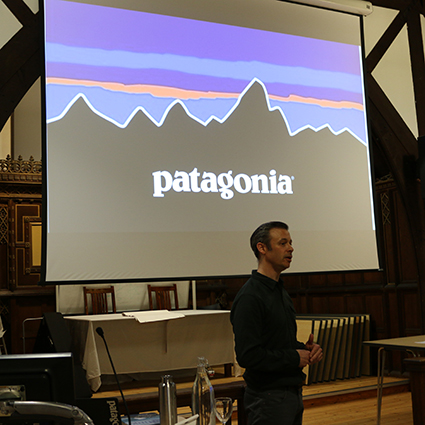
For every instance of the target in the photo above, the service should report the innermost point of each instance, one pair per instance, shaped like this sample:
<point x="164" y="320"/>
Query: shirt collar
<point x="270" y="283"/>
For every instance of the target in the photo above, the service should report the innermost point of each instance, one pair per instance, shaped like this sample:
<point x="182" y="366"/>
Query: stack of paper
<point x="154" y="315"/>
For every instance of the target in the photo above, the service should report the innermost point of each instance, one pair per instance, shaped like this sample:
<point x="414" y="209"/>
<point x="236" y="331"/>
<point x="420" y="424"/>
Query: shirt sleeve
<point x="250" y="350"/>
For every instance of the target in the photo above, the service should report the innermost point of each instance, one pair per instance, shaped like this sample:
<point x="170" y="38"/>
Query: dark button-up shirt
<point x="264" y="324"/>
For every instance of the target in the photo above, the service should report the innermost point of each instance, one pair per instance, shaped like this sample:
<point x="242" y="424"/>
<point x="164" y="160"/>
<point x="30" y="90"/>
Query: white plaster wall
<point x="128" y="297"/>
<point x="5" y="140"/>
<point x="27" y="125"/>
<point x="393" y="72"/>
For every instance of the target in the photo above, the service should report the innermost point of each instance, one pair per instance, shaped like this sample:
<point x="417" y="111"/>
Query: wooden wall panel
<point x="410" y="312"/>
<point x="336" y="279"/>
<point x="374" y="306"/>
<point x="404" y="253"/>
<point x="318" y="304"/>
<point x="387" y="235"/>
<point x="373" y="278"/>
<point x="20" y="296"/>
<point x="21" y="275"/>
<point x="4" y="246"/>
<point x="336" y="304"/>
<point x="317" y="280"/>
<point x="353" y="279"/>
<point x="355" y="304"/>
<point x="31" y="304"/>
<point x="392" y="314"/>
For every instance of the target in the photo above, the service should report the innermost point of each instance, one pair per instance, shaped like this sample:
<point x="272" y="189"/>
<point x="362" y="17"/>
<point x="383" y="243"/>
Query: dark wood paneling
<point x="336" y="304"/>
<point x="373" y="278"/>
<point x="355" y="304"/>
<point x="374" y="306"/>
<point x="404" y="255"/>
<point x="353" y="279"/>
<point x="317" y="280"/>
<point x="20" y="297"/>
<point x="335" y="279"/>
<point x="24" y="305"/>
<point x="318" y="304"/>
<point x="20" y="275"/>
<point x="410" y="311"/>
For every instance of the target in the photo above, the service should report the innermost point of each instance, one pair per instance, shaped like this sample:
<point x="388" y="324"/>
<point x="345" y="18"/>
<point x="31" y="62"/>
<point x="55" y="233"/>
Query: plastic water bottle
<point x="167" y="401"/>
<point x="203" y="396"/>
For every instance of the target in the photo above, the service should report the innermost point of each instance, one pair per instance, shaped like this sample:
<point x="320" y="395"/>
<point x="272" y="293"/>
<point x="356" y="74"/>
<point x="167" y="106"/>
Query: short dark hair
<point x="262" y="234"/>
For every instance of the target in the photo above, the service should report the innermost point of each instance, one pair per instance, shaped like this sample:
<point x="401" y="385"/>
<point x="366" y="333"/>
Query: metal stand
<point x="381" y="367"/>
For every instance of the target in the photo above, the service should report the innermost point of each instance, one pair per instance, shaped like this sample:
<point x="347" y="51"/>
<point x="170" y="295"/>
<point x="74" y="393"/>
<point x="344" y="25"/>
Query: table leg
<point x="381" y="366"/>
<point x="416" y="367"/>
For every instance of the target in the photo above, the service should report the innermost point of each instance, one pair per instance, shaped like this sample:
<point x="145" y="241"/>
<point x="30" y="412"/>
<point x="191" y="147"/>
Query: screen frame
<point x="44" y="282"/>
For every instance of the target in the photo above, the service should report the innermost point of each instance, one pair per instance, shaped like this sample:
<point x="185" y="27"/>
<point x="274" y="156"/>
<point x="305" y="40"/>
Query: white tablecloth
<point x="162" y="345"/>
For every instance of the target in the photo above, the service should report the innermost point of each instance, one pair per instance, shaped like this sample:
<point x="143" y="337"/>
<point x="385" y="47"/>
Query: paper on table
<point x="419" y="342"/>
<point x="188" y="420"/>
<point x="153" y="315"/>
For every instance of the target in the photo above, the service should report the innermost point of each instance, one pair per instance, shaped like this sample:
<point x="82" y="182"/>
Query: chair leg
<point x="3" y="348"/>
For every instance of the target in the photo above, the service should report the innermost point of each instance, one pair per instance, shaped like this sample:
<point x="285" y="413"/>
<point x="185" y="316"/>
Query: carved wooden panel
<point x="33" y="238"/>
<point x="4" y="240"/>
<point x="21" y="274"/>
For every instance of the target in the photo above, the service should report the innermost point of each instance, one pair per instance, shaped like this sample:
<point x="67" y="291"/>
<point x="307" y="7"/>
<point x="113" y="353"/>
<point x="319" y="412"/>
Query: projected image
<point x="128" y="61"/>
<point x="180" y="131"/>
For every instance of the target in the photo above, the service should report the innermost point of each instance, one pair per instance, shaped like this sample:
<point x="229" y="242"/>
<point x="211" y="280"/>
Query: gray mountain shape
<point x="253" y="140"/>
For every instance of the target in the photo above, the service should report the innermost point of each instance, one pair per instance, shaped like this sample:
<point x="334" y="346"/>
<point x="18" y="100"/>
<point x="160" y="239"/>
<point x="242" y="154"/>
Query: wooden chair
<point x="163" y="297"/>
<point x="3" y="348"/>
<point x="99" y="300"/>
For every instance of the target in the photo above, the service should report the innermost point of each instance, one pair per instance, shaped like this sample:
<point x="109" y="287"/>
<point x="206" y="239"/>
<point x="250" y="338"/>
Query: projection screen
<point x="175" y="128"/>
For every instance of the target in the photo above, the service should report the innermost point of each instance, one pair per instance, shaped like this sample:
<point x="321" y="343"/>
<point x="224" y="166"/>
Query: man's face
<point x="279" y="255"/>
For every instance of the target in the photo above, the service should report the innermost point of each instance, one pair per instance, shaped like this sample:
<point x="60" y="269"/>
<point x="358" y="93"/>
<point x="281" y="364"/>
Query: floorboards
<point x="396" y="410"/>
<point x="345" y="402"/>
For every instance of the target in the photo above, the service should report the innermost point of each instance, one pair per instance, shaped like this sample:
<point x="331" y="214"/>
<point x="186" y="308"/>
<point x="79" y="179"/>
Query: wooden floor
<point x="396" y="410"/>
<point x="346" y="402"/>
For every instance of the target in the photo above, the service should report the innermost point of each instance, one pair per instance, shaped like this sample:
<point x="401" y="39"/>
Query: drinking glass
<point x="223" y="408"/>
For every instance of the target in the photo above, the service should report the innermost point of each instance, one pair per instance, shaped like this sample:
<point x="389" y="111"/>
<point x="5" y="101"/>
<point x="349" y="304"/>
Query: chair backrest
<point x="99" y="300"/>
<point x="163" y="297"/>
<point x="3" y="348"/>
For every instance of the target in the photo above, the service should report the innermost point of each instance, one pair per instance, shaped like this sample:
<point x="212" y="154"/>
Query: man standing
<point x="264" y="324"/>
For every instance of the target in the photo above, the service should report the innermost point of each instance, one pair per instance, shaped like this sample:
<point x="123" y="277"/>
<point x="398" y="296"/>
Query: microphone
<point x="100" y="332"/>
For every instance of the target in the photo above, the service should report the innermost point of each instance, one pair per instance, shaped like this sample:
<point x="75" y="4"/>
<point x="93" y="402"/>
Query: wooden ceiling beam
<point x="17" y="50"/>
<point x="16" y="88"/>
<point x="392" y="4"/>
<point x="385" y="41"/>
<point x="417" y="59"/>
<point x="21" y="11"/>
<point x="407" y="143"/>
<point x="20" y="61"/>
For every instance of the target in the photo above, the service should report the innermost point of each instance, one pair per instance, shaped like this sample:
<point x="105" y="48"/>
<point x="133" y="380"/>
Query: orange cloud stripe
<point x="176" y="93"/>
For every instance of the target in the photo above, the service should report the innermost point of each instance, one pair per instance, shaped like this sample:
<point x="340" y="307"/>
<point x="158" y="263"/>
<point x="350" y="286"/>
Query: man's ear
<point x="262" y="248"/>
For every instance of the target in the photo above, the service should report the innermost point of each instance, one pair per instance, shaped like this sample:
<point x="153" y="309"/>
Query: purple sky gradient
<point x="77" y="24"/>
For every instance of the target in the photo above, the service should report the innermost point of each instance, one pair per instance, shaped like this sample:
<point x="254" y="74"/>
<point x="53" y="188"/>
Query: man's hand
<point x="304" y="358"/>
<point x="315" y="351"/>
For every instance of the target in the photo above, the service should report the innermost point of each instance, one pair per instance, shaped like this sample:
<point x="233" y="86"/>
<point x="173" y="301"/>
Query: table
<point x="163" y="345"/>
<point x="410" y="343"/>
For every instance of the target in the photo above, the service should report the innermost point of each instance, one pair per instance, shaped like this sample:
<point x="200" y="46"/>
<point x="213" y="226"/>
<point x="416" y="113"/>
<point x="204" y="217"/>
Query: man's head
<point x="272" y="245"/>
<point x="262" y="234"/>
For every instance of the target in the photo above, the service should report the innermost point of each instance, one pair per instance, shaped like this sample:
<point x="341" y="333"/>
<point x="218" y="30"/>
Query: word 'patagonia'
<point x="164" y="181"/>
